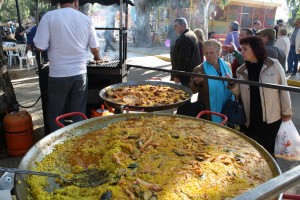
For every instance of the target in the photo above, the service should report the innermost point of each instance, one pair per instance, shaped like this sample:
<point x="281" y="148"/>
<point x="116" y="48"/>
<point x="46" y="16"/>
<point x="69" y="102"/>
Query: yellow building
<point x="219" y="17"/>
<point x="245" y="12"/>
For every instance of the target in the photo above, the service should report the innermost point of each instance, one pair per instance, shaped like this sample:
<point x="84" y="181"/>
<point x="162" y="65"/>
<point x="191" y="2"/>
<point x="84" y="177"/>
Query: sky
<point x="282" y="12"/>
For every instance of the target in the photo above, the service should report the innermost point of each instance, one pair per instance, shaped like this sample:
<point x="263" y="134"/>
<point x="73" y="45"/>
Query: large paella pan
<point x="147" y="156"/>
<point x="146" y="95"/>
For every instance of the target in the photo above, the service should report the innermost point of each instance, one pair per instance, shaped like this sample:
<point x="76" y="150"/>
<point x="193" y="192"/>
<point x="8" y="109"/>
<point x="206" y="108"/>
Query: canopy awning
<point x="102" y="2"/>
<point x="257" y="3"/>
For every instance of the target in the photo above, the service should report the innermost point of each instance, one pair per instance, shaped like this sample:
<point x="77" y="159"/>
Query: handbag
<point x="234" y="110"/>
<point x="287" y="142"/>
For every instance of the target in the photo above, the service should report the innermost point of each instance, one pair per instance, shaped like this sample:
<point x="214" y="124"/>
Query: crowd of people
<point x="21" y="35"/>
<point x="260" y="55"/>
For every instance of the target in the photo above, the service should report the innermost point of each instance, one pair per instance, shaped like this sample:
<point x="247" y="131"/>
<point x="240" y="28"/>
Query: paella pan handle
<point x="204" y="112"/>
<point x="57" y="120"/>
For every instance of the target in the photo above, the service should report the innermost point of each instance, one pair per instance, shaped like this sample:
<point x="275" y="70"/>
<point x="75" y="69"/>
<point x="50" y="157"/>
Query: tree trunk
<point x="143" y="36"/>
<point x="203" y="10"/>
<point x="7" y="95"/>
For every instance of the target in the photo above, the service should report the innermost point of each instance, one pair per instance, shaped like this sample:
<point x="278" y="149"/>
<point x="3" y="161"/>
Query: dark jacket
<point x="276" y="53"/>
<point x="185" y="54"/>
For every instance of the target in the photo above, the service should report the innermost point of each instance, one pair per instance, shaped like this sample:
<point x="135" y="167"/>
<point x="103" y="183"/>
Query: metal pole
<point x="253" y="83"/>
<point x="121" y="30"/>
<point x="272" y="188"/>
<point x="19" y="16"/>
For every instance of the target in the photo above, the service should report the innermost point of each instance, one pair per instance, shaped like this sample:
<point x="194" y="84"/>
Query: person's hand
<point x="96" y="58"/>
<point x="28" y="47"/>
<point x="198" y="80"/>
<point x="286" y="118"/>
<point x="177" y="80"/>
<point x="228" y="48"/>
<point x="229" y="76"/>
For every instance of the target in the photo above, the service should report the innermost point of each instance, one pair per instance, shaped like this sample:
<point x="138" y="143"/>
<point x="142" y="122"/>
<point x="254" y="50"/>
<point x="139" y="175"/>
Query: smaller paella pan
<point x="146" y="95"/>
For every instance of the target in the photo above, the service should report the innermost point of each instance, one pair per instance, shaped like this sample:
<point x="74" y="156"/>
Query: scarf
<point x="218" y="92"/>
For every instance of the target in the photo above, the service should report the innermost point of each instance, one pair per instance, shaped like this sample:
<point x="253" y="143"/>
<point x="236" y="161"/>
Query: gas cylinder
<point x="18" y="129"/>
<point x="101" y="112"/>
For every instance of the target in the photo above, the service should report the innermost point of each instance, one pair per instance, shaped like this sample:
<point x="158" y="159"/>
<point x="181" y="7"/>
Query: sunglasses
<point x="280" y="24"/>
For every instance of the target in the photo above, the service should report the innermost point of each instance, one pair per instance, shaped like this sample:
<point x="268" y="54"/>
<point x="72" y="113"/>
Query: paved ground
<point x="27" y="92"/>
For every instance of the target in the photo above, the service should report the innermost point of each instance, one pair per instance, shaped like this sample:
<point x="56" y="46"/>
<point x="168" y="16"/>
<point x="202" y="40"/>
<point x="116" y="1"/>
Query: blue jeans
<point x="292" y="60"/>
<point x="66" y="94"/>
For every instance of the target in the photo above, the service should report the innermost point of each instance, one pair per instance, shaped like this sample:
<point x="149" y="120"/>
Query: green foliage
<point x="26" y="7"/>
<point x="294" y="7"/>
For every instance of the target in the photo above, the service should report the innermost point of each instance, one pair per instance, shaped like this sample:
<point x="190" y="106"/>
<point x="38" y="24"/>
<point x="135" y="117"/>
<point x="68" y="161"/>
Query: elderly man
<point x="283" y="42"/>
<point x="67" y="34"/>
<point x="185" y="56"/>
<point x="268" y="38"/>
<point x="294" y="49"/>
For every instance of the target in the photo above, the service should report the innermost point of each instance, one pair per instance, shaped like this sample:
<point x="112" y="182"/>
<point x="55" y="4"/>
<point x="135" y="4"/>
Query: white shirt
<point x="283" y="42"/>
<point x="67" y="34"/>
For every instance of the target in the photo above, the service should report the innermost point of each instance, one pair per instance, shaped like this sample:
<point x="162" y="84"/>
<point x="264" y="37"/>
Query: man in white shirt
<point x="67" y="34"/>
<point x="283" y="42"/>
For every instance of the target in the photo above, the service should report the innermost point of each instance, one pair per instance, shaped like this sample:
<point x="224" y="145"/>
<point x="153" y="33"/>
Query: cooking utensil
<point x="116" y="105"/>
<point x="46" y="145"/>
<point x="86" y="178"/>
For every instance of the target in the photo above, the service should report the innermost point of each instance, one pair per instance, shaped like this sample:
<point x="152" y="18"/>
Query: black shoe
<point x="294" y="73"/>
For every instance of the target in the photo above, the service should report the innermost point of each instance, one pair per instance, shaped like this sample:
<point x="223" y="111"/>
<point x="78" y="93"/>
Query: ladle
<point x="86" y="178"/>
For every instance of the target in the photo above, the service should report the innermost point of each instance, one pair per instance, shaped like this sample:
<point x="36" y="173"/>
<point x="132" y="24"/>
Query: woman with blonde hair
<point x="200" y="36"/>
<point x="213" y="93"/>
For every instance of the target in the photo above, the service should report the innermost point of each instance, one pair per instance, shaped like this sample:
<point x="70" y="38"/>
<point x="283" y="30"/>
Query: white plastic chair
<point x="23" y="55"/>
<point x="11" y="54"/>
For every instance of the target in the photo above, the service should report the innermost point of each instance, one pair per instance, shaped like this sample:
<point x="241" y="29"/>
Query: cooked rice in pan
<point x="156" y="157"/>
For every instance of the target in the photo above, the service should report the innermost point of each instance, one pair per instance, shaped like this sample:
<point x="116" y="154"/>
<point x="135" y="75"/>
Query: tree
<point x="27" y="9"/>
<point x="294" y="7"/>
<point x="203" y="10"/>
<point x="7" y="94"/>
<point x="142" y="32"/>
<point x="143" y="8"/>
